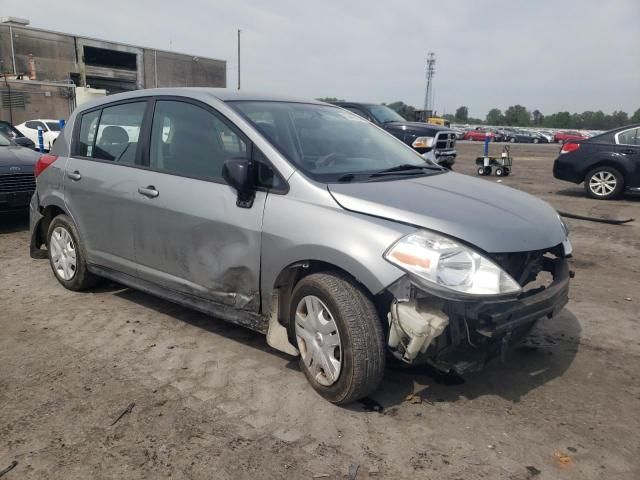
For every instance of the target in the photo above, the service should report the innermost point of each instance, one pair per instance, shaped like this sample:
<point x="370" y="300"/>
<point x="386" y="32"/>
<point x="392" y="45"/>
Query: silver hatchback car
<point x="300" y="220"/>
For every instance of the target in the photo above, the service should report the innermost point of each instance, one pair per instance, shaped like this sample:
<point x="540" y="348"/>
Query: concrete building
<point x="41" y="70"/>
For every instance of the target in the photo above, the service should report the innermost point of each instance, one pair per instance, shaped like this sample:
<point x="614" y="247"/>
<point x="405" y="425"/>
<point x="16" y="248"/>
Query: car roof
<point x="222" y="94"/>
<point x="362" y="104"/>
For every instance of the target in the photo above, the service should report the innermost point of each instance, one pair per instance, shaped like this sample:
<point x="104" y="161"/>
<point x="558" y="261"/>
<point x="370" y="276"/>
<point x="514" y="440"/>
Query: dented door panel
<point x="193" y="238"/>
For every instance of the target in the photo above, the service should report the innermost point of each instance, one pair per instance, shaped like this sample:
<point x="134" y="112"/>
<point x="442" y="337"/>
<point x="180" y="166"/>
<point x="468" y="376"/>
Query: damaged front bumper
<point x="476" y="331"/>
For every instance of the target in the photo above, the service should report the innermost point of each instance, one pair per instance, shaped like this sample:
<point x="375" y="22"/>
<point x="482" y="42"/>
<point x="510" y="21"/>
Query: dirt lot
<point x="213" y="401"/>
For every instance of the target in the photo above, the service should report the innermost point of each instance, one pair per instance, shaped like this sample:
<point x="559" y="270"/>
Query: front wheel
<point x="604" y="183"/>
<point x="339" y="335"/>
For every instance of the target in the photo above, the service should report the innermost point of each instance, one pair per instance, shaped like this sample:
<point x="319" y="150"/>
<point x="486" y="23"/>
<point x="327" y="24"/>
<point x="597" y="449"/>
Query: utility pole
<point x="431" y="70"/>
<point x="238" y="59"/>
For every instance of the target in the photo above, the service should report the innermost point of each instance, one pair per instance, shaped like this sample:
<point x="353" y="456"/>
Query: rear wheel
<point x="499" y="172"/>
<point x="604" y="183"/>
<point x="535" y="140"/>
<point x="67" y="256"/>
<point x="512" y="140"/>
<point x="339" y="335"/>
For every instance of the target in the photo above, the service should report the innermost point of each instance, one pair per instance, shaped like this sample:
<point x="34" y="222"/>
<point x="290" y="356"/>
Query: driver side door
<point x="190" y="234"/>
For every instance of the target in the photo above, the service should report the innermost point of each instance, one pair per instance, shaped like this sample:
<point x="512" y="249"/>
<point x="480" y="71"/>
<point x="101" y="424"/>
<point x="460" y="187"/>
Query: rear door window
<point x="629" y="137"/>
<point x="88" y="127"/>
<point x="54" y="126"/>
<point x="112" y="134"/>
<point x="34" y="125"/>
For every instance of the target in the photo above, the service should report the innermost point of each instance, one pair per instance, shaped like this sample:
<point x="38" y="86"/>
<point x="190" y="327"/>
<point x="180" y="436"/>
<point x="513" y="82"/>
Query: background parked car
<point x="523" y="136"/>
<point x="480" y="135"/>
<point x="16" y="135"/>
<point x="608" y="164"/>
<point x="562" y="137"/>
<point x="422" y="137"/>
<point x="17" y="182"/>
<point x="50" y="131"/>
<point x="548" y="136"/>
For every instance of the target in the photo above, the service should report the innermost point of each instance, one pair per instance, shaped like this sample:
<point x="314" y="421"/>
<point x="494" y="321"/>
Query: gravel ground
<point x="213" y="401"/>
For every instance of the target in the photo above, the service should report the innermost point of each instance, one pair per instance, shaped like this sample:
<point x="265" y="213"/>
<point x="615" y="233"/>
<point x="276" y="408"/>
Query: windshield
<point x="4" y="141"/>
<point x="9" y="131"/>
<point x="53" y="126"/>
<point x="384" y="114"/>
<point x="327" y="143"/>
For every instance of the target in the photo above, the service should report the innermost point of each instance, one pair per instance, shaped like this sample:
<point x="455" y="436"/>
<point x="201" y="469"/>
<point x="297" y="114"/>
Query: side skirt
<point x="251" y="320"/>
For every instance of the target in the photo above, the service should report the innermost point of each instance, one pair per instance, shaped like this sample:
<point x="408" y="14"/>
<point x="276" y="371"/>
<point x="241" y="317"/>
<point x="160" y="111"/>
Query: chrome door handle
<point x="74" y="175"/>
<point x="149" y="191"/>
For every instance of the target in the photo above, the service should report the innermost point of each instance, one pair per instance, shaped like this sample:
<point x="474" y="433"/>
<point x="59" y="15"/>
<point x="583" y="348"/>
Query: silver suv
<point x="300" y="220"/>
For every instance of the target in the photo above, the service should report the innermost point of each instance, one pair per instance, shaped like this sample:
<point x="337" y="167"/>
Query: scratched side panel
<point x="307" y="224"/>
<point x="194" y="239"/>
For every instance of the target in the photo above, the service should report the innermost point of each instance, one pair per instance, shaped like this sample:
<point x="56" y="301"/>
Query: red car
<point x="563" y="137"/>
<point x="478" y="135"/>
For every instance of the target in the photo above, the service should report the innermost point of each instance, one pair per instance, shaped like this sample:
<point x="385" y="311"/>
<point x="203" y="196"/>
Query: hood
<point x="16" y="159"/>
<point x="417" y="128"/>
<point x="492" y="217"/>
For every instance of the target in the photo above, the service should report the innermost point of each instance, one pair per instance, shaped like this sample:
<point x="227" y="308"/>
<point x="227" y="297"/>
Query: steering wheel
<point x="329" y="159"/>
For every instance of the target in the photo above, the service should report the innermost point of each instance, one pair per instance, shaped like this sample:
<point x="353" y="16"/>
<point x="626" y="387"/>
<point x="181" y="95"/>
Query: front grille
<point x="445" y="141"/>
<point x="17" y="182"/>
<point x="522" y="266"/>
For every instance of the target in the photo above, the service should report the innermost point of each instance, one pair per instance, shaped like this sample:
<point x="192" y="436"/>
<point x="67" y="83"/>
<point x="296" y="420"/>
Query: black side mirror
<point x="237" y="173"/>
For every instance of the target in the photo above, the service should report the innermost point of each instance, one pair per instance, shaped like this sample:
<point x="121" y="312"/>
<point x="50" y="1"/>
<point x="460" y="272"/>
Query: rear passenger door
<point x="629" y="145"/>
<point x="190" y="235"/>
<point x="100" y="181"/>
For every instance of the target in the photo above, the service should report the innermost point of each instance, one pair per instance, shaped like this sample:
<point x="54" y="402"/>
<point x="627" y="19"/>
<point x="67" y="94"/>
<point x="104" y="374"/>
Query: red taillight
<point x="570" y="147"/>
<point x="43" y="162"/>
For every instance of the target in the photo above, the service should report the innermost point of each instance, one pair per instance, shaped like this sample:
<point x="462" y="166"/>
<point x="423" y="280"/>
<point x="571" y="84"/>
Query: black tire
<point x="499" y="172"/>
<point x="512" y="140"/>
<point x="593" y="193"/>
<point x="487" y="171"/>
<point x="535" y="140"/>
<point x="82" y="279"/>
<point x="362" y="337"/>
<point x="506" y="171"/>
<point x="481" y="171"/>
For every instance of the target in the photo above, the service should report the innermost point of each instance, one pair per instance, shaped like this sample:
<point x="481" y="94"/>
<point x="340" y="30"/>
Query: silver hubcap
<point x="603" y="183"/>
<point x="318" y="340"/>
<point x="63" y="253"/>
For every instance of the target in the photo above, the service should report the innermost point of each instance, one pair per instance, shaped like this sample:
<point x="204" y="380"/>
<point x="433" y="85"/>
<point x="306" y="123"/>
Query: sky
<point x="551" y="55"/>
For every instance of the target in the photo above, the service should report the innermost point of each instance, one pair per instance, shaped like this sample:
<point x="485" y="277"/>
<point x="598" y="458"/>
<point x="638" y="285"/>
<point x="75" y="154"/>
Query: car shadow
<point x="572" y="192"/>
<point x="578" y="192"/>
<point x="198" y="319"/>
<point x="14" y="222"/>
<point x="544" y="355"/>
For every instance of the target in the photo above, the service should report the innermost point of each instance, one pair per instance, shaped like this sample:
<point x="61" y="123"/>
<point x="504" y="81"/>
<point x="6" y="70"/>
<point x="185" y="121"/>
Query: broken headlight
<point x="447" y="264"/>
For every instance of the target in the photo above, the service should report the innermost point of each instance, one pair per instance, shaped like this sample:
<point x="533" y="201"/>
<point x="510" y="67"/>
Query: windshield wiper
<point x="347" y="177"/>
<point x="405" y="169"/>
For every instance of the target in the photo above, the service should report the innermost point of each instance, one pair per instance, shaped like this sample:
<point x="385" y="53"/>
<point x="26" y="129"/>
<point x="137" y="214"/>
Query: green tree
<point x="558" y="120"/>
<point x="619" y="119"/>
<point x="635" y="118"/>
<point x="517" y="115"/>
<point x="405" y="111"/>
<point x="537" y="117"/>
<point x="462" y="114"/>
<point x="329" y="99"/>
<point x="495" y="117"/>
